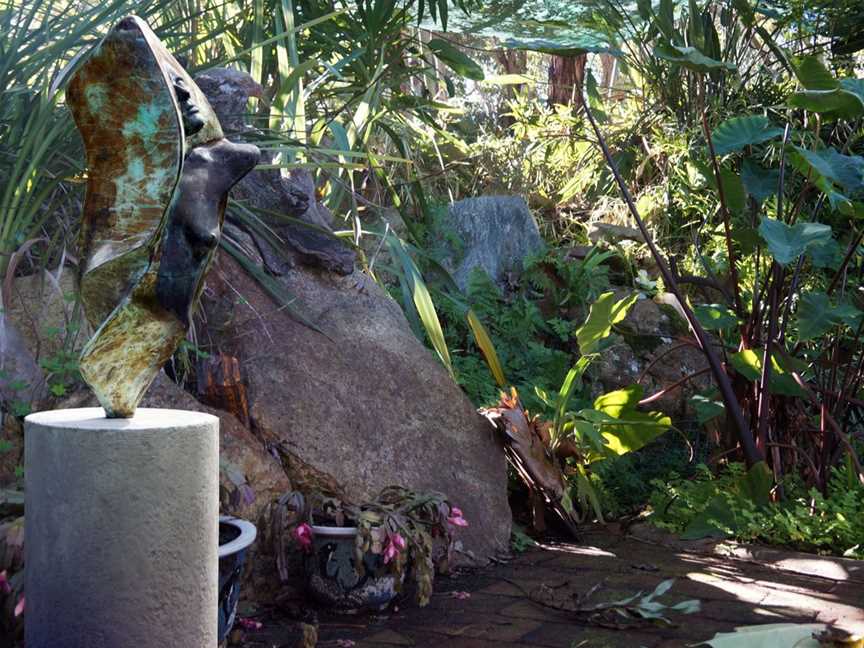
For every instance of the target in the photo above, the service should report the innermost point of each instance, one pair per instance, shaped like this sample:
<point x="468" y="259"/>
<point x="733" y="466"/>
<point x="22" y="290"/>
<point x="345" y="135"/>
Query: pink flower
<point x="5" y="587"/>
<point x="250" y="624"/>
<point x="456" y="518"/>
<point x="395" y="544"/>
<point x="19" y="609"/>
<point x="345" y="643"/>
<point x="303" y="536"/>
<point x="462" y="596"/>
<point x="398" y="541"/>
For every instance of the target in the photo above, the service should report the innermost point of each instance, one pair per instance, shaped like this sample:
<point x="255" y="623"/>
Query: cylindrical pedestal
<point x="122" y="529"/>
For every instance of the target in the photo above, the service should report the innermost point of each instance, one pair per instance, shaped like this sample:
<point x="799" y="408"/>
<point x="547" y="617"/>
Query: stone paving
<point x="747" y="586"/>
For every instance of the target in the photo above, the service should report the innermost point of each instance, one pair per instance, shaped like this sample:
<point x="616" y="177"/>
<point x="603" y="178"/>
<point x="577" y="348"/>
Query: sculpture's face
<point x="193" y="120"/>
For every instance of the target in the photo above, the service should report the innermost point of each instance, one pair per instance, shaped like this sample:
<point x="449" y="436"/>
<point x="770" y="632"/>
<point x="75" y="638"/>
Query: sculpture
<point x="159" y="171"/>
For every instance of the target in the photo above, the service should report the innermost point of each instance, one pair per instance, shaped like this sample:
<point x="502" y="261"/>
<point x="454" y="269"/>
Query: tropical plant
<point x="781" y="375"/>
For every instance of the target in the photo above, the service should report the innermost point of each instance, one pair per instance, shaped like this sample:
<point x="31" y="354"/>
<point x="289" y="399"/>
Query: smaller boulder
<point x="493" y="233"/>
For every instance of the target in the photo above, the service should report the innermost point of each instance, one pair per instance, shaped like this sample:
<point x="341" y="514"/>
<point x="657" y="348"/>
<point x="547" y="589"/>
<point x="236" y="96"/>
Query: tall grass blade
<point x="487" y="348"/>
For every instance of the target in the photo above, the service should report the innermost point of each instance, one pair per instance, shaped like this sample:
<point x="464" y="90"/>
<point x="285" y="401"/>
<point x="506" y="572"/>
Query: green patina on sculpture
<point x="159" y="171"/>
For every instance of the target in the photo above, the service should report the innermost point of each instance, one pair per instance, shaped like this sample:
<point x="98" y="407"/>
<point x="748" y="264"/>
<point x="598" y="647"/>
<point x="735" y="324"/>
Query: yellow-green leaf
<point x="481" y="336"/>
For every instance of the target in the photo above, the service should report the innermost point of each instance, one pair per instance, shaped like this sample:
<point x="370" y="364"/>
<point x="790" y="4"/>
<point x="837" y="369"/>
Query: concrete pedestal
<point x="122" y="529"/>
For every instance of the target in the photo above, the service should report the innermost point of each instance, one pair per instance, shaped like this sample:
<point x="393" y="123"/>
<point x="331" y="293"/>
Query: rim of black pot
<point x="247" y="536"/>
<point x="334" y="531"/>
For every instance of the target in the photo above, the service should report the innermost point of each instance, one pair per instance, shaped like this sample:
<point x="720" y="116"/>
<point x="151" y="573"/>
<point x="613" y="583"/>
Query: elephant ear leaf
<point x="786" y="243"/>
<point x="623" y="427"/>
<point x="813" y="75"/>
<point x="456" y="60"/>
<point x="824" y="94"/>
<point x="691" y="58"/>
<point x="736" y="133"/>
<point x="604" y="313"/>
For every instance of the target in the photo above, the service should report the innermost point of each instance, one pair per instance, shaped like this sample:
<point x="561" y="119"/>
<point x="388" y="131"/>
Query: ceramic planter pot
<point x="333" y="579"/>
<point x="235" y="537"/>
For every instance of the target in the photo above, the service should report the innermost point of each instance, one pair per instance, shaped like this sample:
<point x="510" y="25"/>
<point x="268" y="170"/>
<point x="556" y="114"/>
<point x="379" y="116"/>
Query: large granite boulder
<point x="494" y="233"/>
<point x="353" y="402"/>
<point x="360" y="403"/>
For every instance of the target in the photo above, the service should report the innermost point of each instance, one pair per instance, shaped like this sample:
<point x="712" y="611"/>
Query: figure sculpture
<point x="159" y="171"/>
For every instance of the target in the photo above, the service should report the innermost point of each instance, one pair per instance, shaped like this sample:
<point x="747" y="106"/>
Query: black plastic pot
<point x="235" y="537"/>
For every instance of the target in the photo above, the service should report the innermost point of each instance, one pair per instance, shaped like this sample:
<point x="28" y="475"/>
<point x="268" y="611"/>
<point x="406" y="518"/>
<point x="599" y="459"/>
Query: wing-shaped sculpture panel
<point x="158" y="174"/>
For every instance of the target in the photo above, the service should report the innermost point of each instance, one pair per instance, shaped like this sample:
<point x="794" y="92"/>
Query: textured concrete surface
<point x="121" y="528"/>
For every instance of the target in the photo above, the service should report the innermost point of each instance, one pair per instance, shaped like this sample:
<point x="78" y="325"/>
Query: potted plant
<point x="357" y="556"/>
<point x="235" y="537"/>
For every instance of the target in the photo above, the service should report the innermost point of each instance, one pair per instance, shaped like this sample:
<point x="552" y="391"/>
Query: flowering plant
<point x="404" y="527"/>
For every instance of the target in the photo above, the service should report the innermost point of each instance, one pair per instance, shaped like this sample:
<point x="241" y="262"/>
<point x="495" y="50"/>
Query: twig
<point x="673" y="386"/>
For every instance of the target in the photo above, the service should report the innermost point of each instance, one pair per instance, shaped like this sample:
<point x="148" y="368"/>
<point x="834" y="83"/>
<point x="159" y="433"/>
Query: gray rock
<point x="494" y="233"/>
<point x="38" y="323"/>
<point x="362" y="406"/>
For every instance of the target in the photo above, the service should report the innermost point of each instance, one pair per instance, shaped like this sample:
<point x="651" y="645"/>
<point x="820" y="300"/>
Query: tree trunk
<point x="513" y="62"/>
<point x="566" y="78"/>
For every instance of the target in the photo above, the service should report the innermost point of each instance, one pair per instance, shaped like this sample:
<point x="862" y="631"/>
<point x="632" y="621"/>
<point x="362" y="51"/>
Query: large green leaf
<point x="456" y="60"/>
<point x="787" y="243"/>
<point x="826" y="255"/>
<point x="564" y="44"/>
<point x="840" y="177"/>
<point x="853" y="85"/>
<point x="715" y="317"/>
<point x="563" y="28"/>
<point x="824" y="94"/>
<point x="691" y="58"/>
<point x="604" y="312"/>
<point x="626" y="429"/>
<point x="813" y="74"/>
<point x="817" y="315"/>
<point x="847" y="171"/>
<point x="749" y="364"/>
<point x="758" y="181"/>
<point x="738" y="132"/>
<point x="733" y="190"/>
<point x="831" y="104"/>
